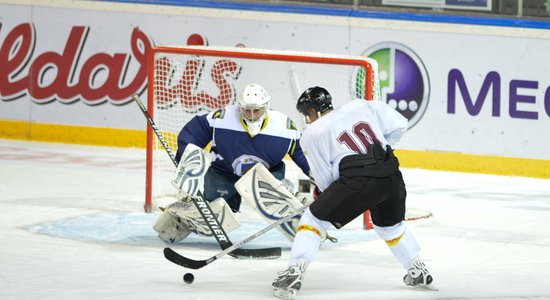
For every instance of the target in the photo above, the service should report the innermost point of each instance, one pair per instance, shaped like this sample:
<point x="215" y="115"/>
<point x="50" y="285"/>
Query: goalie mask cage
<point x="187" y="81"/>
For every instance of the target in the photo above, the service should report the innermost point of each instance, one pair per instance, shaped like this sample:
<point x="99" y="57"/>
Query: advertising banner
<point x="83" y="67"/>
<point x="468" y="89"/>
<point x="483" y="96"/>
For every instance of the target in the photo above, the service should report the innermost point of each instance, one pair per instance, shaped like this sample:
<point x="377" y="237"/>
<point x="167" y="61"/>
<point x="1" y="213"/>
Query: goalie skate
<point x="288" y="282"/>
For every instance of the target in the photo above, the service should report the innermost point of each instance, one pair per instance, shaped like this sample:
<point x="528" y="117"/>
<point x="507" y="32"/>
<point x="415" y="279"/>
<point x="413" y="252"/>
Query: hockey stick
<point x="204" y="208"/>
<point x="185" y="262"/>
<point x="155" y="129"/>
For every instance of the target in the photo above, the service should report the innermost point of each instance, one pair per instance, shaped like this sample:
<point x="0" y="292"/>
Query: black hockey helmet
<point x="315" y="97"/>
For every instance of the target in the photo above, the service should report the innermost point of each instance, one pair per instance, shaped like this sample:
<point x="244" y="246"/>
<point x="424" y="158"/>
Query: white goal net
<point x="186" y="81"/>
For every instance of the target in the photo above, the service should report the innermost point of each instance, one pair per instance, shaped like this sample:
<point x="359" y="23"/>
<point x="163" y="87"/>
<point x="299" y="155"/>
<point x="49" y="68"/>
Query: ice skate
<point x="418" y="275"/>
<point x="288" y="282"/>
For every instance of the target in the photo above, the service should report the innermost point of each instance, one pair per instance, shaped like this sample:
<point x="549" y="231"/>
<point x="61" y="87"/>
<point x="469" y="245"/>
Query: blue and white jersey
<point x="234" y="150"/>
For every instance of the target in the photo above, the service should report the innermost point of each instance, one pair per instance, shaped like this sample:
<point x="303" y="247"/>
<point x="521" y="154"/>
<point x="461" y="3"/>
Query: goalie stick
<point x="186" y="262"/>
<point x="204" y="208"/>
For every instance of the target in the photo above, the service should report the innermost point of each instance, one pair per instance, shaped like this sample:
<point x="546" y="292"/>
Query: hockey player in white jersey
<point x="241" y="136"/>
<point x="349" y="150"/>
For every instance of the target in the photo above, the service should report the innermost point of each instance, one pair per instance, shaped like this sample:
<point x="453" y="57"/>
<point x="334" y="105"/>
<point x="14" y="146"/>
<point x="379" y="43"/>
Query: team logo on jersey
<point x="245" y="162"/>
<point x="404" y="82"/>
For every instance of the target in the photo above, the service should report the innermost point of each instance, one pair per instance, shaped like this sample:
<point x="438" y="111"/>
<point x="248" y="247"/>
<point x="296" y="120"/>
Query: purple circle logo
<point x="404" y="82"/>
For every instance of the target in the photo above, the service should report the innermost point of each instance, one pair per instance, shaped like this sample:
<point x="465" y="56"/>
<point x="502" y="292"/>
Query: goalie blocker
<point x="189" y="176"/>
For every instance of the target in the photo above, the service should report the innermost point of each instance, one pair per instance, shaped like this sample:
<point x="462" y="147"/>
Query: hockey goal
<point x="186" y="81"/>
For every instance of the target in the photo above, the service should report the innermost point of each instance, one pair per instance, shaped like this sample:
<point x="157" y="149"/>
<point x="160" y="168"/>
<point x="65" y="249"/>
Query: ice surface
<point x="72" y="227"/>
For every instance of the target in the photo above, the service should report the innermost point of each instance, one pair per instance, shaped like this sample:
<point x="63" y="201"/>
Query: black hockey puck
<point x="188" y="278"/>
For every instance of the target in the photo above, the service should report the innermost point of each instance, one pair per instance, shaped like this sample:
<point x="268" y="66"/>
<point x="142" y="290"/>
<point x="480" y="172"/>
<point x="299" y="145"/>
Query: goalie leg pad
<point x="269" y="197"/>
<point x="191" y="216"/>
<point x="171" y="228"/>
<point x="189" y="176"/>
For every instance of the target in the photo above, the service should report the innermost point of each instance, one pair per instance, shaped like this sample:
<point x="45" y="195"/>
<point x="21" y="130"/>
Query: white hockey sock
<point x="308" y="238"/>
<point x="401" y="242"/>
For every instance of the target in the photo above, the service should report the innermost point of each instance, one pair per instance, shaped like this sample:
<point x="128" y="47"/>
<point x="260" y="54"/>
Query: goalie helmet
<point x="254" y="104"/>
<point x="315" y="97"/>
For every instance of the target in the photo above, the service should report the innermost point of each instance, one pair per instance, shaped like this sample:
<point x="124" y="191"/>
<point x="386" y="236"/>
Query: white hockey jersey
<point x="348" y="130"/>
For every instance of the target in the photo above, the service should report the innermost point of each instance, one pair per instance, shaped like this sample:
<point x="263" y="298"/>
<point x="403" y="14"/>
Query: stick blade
<point x="183" y="261"/>
<point x="263" y="253"/>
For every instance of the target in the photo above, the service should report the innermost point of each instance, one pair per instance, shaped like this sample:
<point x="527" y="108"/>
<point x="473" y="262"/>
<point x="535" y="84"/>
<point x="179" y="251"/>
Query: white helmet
<point x="254" y="104"/>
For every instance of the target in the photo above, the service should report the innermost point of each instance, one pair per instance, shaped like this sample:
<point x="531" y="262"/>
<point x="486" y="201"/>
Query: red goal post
<point x="186" y="81"/>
